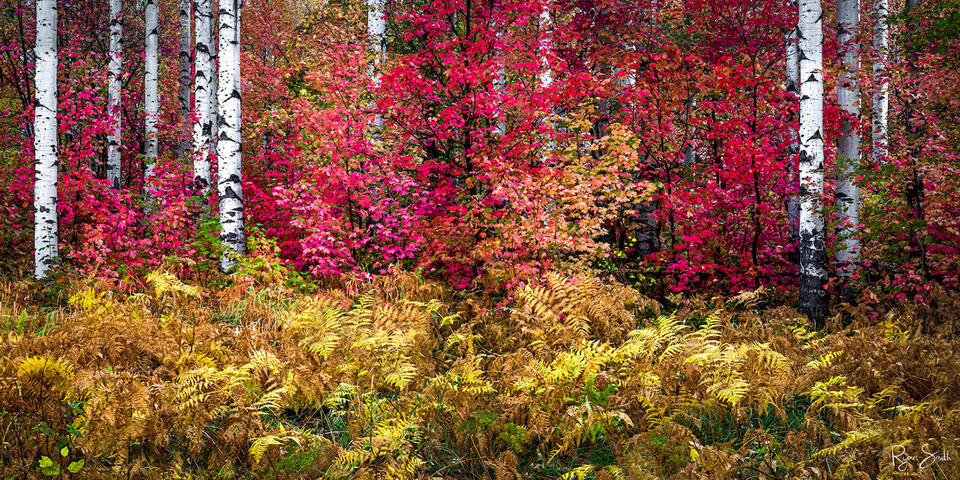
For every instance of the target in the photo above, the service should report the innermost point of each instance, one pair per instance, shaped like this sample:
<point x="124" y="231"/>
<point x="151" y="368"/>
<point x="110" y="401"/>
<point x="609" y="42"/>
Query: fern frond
<point x="579" y="473"/>
<point x="853" y="438"/>
<point x="164" y="282"/>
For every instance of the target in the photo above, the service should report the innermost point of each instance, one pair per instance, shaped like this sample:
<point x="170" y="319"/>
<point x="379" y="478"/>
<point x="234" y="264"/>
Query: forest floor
<point x="403" y="378"/>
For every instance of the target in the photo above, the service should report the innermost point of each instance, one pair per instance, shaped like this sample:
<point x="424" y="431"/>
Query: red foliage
<point x="586" y="166"/>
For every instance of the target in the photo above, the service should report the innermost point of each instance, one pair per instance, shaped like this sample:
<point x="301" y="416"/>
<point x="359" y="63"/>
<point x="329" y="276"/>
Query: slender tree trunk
<point x="813" y="271"/>
<point x="237" y="52"/>
<point x="631" y="74"/>
<point x="376" y="31"/>
<point x="881" y="96"/>
<point x="203" y="124"/>
<point x="914" y="190"/>
<point x="848" y="145"/>
<point x="644" y="229"/>
<point x="793" y="88"/>
<point x="545" y="46"/>
<point x="113" y="93"/>
<point x="689" y="150"/>
<point x="229" y="173"/>
<point x="150" y="100"/>
<point x="214" y="105"/>
<point x="45" y="237"/>
<point x="184" y="76"/>
<point x="545" y="53"/>
<point x="500" y="84"/>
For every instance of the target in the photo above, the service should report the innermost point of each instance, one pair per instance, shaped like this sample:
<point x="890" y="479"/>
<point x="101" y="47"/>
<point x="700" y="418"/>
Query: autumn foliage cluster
<point x="657" y="153"/>
<point x="546" y="240"/>
<point x="399" y="377"/>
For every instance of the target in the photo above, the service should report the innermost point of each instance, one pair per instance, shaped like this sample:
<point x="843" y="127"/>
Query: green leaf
<point x="46" y="429"/>
<point x="64" y="451"/>
<point x="75" y="467"/>
<point x="74" y="431"/>
<point x="48" y="467"/>
<point x="61" y="443"/>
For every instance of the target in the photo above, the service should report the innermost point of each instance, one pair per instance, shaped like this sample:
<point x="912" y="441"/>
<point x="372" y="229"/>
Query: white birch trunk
<point x="545" y="46"/>
<point x="545" y="52"/>
<point x="881" y="96"/>
<point x="183" y="76"/>
<point x="237" y="67"/>
<point x="848" y="144"/>
<point x="689" y="150"/>
<point x="500" y="87"/>
<point x="114" y="84"/>
<point x="631" y="77"/>
<point x="229" y="173"/>
<point x="500" y="84"/>
<point x="214" y="106"/>
<point x="793" y="88"/>
<point x="813" y="272"/>
<point x="45" y="236"/>
<point x="203" y="123"/>
<point x="150" y="104"/>
<point x="376" y="31"/>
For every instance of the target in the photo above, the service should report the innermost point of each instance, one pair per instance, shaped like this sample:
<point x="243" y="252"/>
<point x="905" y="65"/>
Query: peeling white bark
<point x="545" y="53"/>
<point x="545" y="49"/>
<point x="689" y="150"/>
<point x="793" y="88"/>
<point x="500" y="84"/>
<point x="376" y="31"/>
<point x="184" y="74"/>
<point x="213" y="105"/>
<point x="114" y="85"/>
<point x="229" y="174"/>
<point x="881" y="96"/>
<point x="203" y="123"/>
<point x="151" y="104"/>
<point x="813" y="271"/>
<point x="848" y="145"/>
<point x="45" y="236"/>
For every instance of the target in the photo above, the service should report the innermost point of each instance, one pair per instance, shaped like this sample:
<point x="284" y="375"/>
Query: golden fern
<point x="43" y="376"/>
<point x="164" y="282"/>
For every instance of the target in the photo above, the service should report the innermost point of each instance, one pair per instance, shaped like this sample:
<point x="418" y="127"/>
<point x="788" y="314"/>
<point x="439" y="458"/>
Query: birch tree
<point x="203" y="124"/>
<point x="150" y="101"/>
<point x="545" y="51"/>
<point x="376" y="32"/>
<point x="545" y="46"/>
<point x="114" y="84"/>
<point x="690" y="148"/>
<point x="213" y="105"/>
<point x="881" y="96"/>
<point x="813" y="272"/>
<point x="229" y="174"/>
<point x="45" y="234"/>
<point x="848" y="144"/>
<point x="184" y="74"/>
<point x="793" y="88"/>
<point x="500" y="83"/>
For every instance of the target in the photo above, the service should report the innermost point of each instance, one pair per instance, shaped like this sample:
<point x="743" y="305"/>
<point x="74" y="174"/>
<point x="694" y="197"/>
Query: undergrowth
<point x="268" y="377"/>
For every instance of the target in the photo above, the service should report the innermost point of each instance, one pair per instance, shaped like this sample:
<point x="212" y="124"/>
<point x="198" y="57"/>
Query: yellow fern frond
<point x="579" y="473"/>
<point x="42" y="375"/>
<point x="853" y="438"/>
<point x="824" y="360"/>
<point x="401" y="375"/>
<point x="164" y="282"/>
